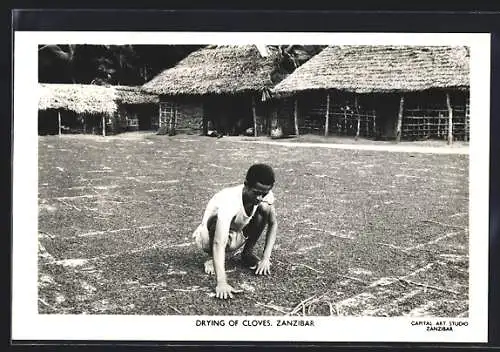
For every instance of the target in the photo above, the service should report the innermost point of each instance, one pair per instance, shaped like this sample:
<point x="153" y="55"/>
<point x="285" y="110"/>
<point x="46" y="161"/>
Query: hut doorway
<point x="145" y="115"/>
<point x="229" y="115"/>
<point x="387" y="109"/>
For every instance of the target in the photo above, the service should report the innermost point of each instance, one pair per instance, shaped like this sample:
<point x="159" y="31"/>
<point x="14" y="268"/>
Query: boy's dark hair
<point x="261" y="173"/>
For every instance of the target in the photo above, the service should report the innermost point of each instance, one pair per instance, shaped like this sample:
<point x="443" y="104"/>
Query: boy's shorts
<point x="204" y="239"/>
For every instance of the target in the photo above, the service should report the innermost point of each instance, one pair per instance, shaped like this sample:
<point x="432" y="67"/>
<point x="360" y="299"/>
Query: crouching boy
<point x="235" y="217"/>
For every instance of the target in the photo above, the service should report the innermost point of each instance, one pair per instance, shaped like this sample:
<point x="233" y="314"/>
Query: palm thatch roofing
<point x="80" y="98"/>
<point x="134" y="95"/>
<point x="227" y="69"/>
<point x="368" y="69"/>
<point x="89" y="98"/>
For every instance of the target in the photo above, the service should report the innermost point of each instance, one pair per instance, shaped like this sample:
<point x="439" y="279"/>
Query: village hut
<point x="136" y="109"/>
<point x="216" y="87"/>
<point x="75" y="108"/>
<point x="410" y="92"/>
<point x="81" y="108"/>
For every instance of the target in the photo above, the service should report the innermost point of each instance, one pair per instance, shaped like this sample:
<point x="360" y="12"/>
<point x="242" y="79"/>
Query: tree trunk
<point x="400" y="118"/>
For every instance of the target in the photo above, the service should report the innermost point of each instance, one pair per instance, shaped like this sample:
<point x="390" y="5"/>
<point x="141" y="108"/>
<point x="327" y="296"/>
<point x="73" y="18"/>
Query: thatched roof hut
<point x="80" y="98"/>
<point x="382" y="69"/>
<point x="134" y="95"/>
<point x="227" y="69"/>
<point x="115" y="105"/>
<point x="87" y="98"/>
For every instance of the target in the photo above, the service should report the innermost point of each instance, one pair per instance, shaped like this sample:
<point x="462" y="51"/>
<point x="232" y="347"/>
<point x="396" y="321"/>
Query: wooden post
<point x="175" y="120"/>
<point x="367" y="128"/>
<point x="59" y="121"/>
<point x="104" y="125"/>
<point x="159" y="115"/>
<point x="296" y="116"/>
<point x="327" y="115"/>
<point x="345" y="120"/>
<point x="205" y="118"/>
<point x="356" y="109"/>
<point x="466" y="124"/>
<point x="439" y="126"/>
<point x="254" y="114"/>
<point x="450" y="119"/>
<point x="267" y="120"/>
<point x="400" y="118"/>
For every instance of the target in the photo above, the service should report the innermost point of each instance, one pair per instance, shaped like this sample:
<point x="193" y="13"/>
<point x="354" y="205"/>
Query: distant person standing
<point x="235" y="217"/>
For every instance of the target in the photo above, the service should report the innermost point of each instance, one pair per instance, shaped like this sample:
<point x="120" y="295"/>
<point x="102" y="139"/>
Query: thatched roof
<point x="366" y="69"/>
<point x="227" y="69"/>
<point x="80" y="98"/>
<point x="89" y="98"/>
<point x="134" y="95"/>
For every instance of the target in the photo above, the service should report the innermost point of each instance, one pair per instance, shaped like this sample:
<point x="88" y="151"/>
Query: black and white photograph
<point x="288" y="184"/>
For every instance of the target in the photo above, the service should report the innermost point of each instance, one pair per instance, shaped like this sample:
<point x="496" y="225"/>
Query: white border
<point x="28" y="325"/>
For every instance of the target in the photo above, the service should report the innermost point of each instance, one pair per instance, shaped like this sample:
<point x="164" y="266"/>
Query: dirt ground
<point x="361" y="232"/>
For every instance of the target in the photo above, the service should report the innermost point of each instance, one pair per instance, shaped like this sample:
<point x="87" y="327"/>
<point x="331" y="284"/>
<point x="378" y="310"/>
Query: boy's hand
<point x="263" y="267"/>
<point x="225" y="291"/>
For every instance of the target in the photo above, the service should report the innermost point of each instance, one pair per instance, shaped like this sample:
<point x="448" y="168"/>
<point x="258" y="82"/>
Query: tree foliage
<point x="107" y="64"/>
<point x="137" y="64"/>
<point x="290" y="57"/>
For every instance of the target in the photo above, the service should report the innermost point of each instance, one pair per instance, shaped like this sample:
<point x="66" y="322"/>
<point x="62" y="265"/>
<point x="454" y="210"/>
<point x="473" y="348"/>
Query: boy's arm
<point x="272" y="228"/>
<point x="223" y="289"/>
<point x="263" y="267"/>
<point x="219" y="249"/>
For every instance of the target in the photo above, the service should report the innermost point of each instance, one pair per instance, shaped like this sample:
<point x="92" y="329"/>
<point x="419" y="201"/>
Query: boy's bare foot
<point x="250" y="260"/>
<point x="209" y="267"/>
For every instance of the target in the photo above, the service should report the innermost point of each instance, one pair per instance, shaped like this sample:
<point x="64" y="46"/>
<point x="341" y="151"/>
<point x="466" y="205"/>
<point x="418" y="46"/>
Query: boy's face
<point x="254" y="194"/>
